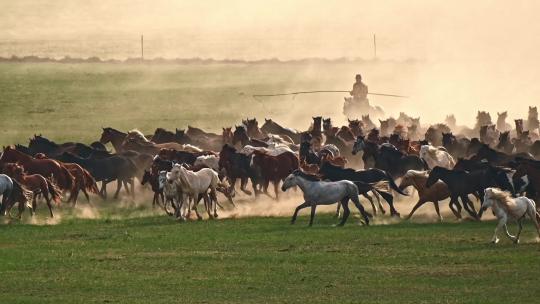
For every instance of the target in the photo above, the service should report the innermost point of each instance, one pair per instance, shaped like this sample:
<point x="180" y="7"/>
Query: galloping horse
<point x="317" y="193"/>
<point x="274" y="168"/>
<point x="505" y="207"/>
<point x="46" y="167"/>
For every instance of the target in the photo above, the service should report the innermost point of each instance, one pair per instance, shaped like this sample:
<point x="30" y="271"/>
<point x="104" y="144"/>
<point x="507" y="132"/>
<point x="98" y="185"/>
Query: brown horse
<point x="436" y="193"/>
<point x="309" y="168"/>
<point x="274" y="168"/>
<point x="227" y="136"/>
<point x="83" y="181"/>
<point x="46" y="167"/>
<point x="35" y="183"/>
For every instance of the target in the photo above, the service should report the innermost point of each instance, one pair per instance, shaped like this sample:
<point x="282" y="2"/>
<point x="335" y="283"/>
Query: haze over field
<point x="480" y="55"/>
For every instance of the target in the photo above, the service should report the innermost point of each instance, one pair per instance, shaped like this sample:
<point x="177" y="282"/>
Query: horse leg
<point x="276" y="189"/>
<point x="520" y="225"/>
<point x="372" y="204"/>
<point x="300" y="207"/>
<point x="213" y="197"/>
<point x="34" y="204"/>
<point x="502" y="222"/>
<point x="131" y="181"/>
<point x="436" y="203"/>
<point x="418" y="204"/>
<point x="360" y="208"/>
<point x="243" y="184"/>
<point x="207" y="205"/>
<point x="455" y="207"/>
<point x="379" y="201"/>
<point x="195" y="205"/>
<point x="313" y="207"/>
<point x="337" y="210"/>
<point x="49" y="204"/>
<point x="346" y="211"/>
<point x="467" y="205"/>
<point x="103" y="190"/>
<point x="118" y="187"/>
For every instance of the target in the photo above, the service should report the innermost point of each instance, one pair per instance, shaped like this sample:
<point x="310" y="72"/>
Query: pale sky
<point x="422" y="29"/>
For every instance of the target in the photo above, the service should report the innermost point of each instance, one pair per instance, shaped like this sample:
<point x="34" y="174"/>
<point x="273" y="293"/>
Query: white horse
<point x="195" y="185"/>
<point x="275" y="151"/>
<point x="434" y="157"/>
<point x="317" y="192"/>
<point x="210" y="161"/>
<point x="172" y="195"/>
<point x="505" y="207"/>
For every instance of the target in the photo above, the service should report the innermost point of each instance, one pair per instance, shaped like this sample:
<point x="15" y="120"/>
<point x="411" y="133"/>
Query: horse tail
<point x="381" y="188"/>
<point x="54" y="191"/>
<point x="393" y="185"/>
<point x="89" y="182"/>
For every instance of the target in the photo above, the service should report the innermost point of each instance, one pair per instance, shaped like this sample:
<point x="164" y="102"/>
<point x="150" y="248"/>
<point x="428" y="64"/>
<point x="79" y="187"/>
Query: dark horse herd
<point x="489" y="155"/>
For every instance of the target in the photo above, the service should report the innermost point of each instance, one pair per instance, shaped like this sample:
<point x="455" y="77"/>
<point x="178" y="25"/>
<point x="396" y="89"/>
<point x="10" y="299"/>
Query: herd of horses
<point x="184" y="167"/>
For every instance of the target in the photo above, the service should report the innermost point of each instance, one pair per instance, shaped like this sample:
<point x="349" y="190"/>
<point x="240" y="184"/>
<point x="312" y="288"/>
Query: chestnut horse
<point x="83" y="181"/>
<point x="274" y="168"/>
<point x="35" y="183"/>
<point x="48" y="168"/>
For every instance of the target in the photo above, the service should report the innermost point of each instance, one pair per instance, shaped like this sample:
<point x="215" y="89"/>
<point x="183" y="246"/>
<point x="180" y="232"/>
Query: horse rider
<point x="360" y="91"/>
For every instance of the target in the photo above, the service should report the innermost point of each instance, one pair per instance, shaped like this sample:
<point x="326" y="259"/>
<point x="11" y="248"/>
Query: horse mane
<point x="136" y="134"/>
<point x="414" y="173"/>
<point x="504" y="198"/>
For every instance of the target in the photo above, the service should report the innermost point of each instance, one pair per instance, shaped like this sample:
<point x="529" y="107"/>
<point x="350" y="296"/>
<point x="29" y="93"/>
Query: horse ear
<point x="380" y="120"/>
<point x="348" y="119"/>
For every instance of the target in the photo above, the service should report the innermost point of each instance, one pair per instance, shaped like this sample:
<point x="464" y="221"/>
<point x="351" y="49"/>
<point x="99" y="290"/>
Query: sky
<point x="422" y="29"/>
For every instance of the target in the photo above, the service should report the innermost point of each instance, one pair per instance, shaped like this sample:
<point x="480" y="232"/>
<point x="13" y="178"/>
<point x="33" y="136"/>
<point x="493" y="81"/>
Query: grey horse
<point x="317" y="192"/>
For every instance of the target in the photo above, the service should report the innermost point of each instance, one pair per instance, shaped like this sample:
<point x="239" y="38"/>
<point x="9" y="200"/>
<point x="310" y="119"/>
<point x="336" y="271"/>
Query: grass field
<point x="133" y="254"/>
<point x="73" y="101"/>
<point x="153" y="259"/>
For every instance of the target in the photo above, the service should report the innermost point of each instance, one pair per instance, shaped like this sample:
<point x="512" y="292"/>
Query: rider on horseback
<point x="360" y="92"/>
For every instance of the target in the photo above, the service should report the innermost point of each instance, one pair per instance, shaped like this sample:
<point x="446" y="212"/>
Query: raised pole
<point x="142" y="48"/>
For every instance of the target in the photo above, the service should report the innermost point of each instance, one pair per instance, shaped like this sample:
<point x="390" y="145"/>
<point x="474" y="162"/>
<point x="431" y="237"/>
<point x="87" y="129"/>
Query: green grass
<point x="71" y="102"/>
<point x="252" y="260"/>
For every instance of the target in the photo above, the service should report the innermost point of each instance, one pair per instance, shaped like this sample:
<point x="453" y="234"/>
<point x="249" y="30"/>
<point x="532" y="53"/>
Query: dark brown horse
<point x="252" y="126"/>
<point x="113" y="136"/>
<point x="46" y="167"/>
<point x="274" y="168"/>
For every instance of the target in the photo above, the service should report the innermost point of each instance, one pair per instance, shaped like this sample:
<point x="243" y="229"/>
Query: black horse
<point x="397" y="163"/>
<point x="460" y="184"/>
<point x="456" y="147"/>
<point x="117" y="167"/>
<point x="497" y="176"/>
<point x="497" y="158"/>
<point x="370" y="176"/>
<point x="237" y="166"/>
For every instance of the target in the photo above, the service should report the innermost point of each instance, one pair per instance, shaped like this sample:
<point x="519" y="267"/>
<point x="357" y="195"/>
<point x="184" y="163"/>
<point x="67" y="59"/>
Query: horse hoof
<point x="516" y="241"/>
<point x="396" y="215"/>
<point x="495" y="241"/>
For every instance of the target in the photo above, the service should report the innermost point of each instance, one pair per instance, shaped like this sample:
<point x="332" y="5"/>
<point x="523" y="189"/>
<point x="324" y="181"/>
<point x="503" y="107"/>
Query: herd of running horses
<point x="183" y="167"/>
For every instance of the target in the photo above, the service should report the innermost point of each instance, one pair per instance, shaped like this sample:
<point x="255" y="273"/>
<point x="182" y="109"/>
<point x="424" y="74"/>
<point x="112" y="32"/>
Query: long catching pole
<point x="327" y="91"/>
